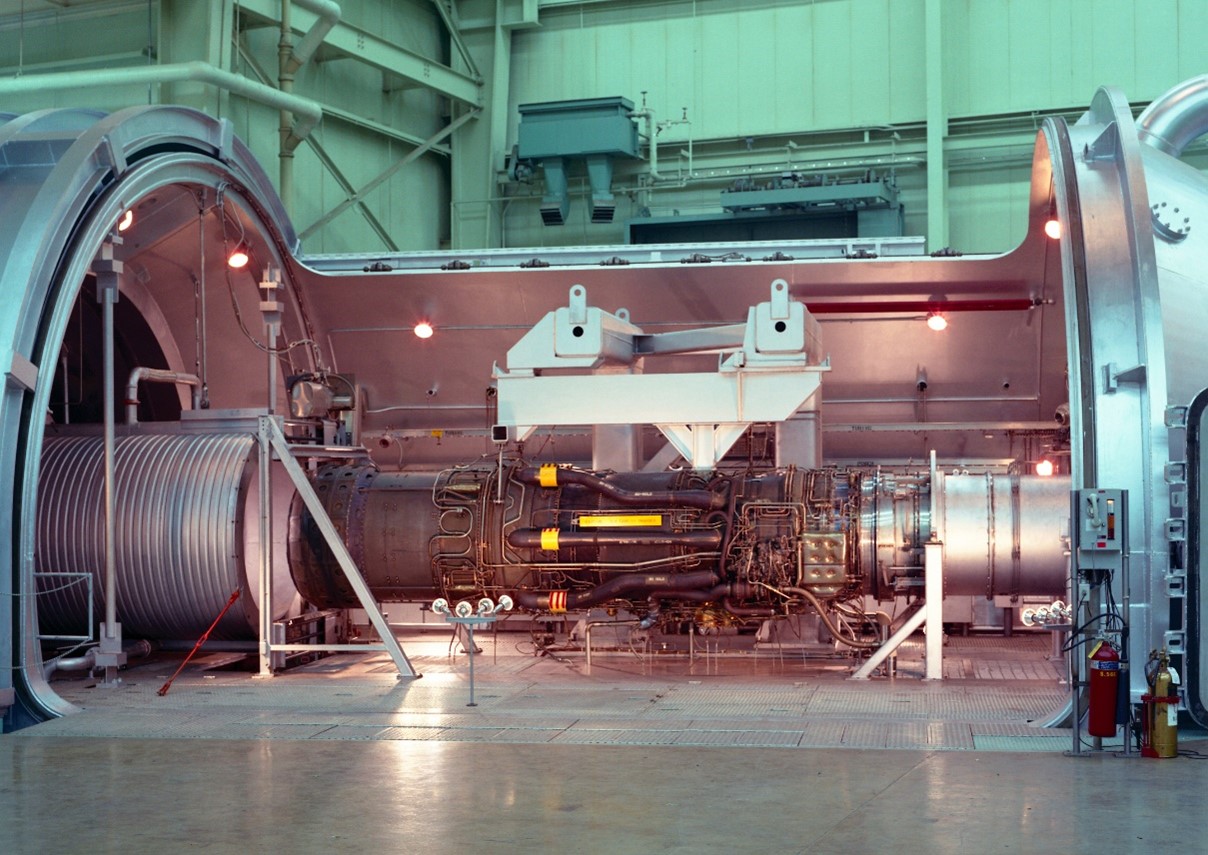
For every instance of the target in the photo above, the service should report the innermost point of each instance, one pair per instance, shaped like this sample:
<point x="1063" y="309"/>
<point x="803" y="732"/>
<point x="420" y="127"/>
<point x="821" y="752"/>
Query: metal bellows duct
<point x="1003" y="535"/>
<point x="187" y="535"/>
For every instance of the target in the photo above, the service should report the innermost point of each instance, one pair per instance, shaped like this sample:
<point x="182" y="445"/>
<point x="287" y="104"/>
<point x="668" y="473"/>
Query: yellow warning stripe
<point x="620" y="520"/>
<point x="549" y="539"/>
<point x="547" y="476"/>
<point x="557" y="602"/>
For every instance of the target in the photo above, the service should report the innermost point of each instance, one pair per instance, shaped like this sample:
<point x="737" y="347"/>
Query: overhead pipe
<point x="290" y="59"/>
<point x="285" y="82"/>
<point x="1177" y="118"/>
<point x="704" y="499"/>
<point x="647" y="115"/>
<point x="307" y="113"/>
<point x="653" y="129"/>
<point x="329" y="15"/>
<point x="878" y="307"/>
<point x="157" y="375"/>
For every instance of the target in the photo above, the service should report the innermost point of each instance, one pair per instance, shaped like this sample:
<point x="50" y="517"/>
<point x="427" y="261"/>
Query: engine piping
<point x="535" y="538"/>
<point x="704" y="499"/>
<point x="620" y="586"/>
<point x="1177" y="118"/>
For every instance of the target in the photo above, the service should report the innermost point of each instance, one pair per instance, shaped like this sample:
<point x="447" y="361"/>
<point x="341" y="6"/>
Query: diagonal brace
<point x="269" y="426"/>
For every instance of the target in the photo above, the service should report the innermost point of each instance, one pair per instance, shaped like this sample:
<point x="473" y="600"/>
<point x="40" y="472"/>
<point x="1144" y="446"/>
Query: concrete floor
<point x="641" y="756"/>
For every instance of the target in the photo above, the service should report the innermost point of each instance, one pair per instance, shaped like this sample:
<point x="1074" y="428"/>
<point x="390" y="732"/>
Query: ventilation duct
<point x="553" y="135"/>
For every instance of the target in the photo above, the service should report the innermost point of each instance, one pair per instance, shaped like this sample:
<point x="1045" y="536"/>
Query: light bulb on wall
<point x="1052" y="228"/>
<point x="126" y="221"/>
<point x="423" y="330"/>
<point x="239" y="257"/>
<point x="1045" y="468"/>
<point x="937" y="321"/>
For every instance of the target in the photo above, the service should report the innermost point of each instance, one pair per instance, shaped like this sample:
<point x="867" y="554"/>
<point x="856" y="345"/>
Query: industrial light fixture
<point x="423" y="330"/>
<point x="1045" y="468"/>
<point x="937" y="321"/>
<point x="239" y="256"/>
<point x="1052" y="228"/>
<point x="126" y="221"/>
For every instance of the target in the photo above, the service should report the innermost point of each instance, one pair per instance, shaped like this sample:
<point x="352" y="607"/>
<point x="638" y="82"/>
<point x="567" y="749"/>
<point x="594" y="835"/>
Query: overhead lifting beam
<point x="375" y="51"/>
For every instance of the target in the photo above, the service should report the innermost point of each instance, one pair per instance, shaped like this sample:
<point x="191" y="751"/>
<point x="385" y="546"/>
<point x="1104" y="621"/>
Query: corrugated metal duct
<point x="187" y="535"/>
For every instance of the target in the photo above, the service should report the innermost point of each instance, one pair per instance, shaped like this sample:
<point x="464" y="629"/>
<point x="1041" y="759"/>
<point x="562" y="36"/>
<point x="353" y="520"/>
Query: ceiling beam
<point x="375" y="51"/>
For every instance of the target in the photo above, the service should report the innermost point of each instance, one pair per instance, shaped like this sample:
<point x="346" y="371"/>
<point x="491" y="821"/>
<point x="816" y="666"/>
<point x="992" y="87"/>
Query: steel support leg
<point x="109" y="653"/>
<point x="929" y="615"/>
<point x="891" y="644"/>
<point x="270" y="428"/>
<point x="933" y="604"/>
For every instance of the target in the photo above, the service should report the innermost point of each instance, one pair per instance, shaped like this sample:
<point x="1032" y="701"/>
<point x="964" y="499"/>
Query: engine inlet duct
<point x="754" y="544"/>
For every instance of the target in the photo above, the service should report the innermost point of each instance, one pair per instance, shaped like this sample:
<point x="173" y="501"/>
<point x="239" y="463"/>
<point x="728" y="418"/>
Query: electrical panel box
<point x="1101" y="520"/>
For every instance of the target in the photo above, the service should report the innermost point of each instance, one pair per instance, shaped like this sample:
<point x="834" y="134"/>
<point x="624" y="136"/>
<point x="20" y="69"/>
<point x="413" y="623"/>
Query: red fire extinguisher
<point x="1104" y="686"/>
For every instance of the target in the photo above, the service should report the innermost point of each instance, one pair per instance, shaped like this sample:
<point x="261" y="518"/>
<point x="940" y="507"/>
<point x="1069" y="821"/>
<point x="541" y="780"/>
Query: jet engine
<point x="677" y="546"/>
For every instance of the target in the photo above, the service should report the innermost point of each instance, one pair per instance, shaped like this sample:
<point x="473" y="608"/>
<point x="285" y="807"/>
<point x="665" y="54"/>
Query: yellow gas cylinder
<point x="1164" y="730"/>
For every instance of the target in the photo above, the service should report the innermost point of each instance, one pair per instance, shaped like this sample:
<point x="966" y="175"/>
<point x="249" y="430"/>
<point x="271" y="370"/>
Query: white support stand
<point x="930" y="616"/>
<point x="913" y="622"/>
<point x="272" y="437"/>
<point x="933" y="605"/>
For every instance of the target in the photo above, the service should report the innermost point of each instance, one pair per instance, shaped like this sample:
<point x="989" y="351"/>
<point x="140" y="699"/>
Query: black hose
<point x="625" y="585"/>
<point x="689" y="498"/>
<point x="531" y="538"/>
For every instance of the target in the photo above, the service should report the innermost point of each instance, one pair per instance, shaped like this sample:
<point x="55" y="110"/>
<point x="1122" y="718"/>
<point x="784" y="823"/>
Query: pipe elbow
<point x="1177" y="118"/>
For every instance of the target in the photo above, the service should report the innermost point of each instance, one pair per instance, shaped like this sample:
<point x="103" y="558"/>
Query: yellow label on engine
<point x="549" y="539"/>
<point x="547" y="476"/>
<point x="620" y="520"/>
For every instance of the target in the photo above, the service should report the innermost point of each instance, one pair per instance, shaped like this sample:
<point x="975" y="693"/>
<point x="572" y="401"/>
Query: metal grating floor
<point x="743" y="700"/>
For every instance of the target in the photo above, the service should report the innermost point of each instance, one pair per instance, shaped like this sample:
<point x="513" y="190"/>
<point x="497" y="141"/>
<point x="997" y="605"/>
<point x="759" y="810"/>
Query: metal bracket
<point x="1114" y="377"/>
<point x="1175" y="417"/>
<point x="1176" y="530"/>
<point x="1105" y="146"/>
<point x="1175" y="472"/>
<point x="1176" y="642"/>
<point x="21" y="374"/>
<point x="1176" y="587"/>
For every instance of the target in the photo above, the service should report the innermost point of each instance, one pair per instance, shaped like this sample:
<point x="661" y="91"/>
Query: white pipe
<point x="651" y="137"/>
<point x="329" y="15"/>
<point x="285" y="82"/>
<point x="157" y="375"/>
<point x="1177" y="118"/>
<point x="289" y="61"/>
<point x="306" y="112"/>
<point x="88" y="661"/>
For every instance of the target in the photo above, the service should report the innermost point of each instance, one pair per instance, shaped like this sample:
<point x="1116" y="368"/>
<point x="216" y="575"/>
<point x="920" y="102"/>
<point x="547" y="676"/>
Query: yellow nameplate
<point x="620" y="520"/>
